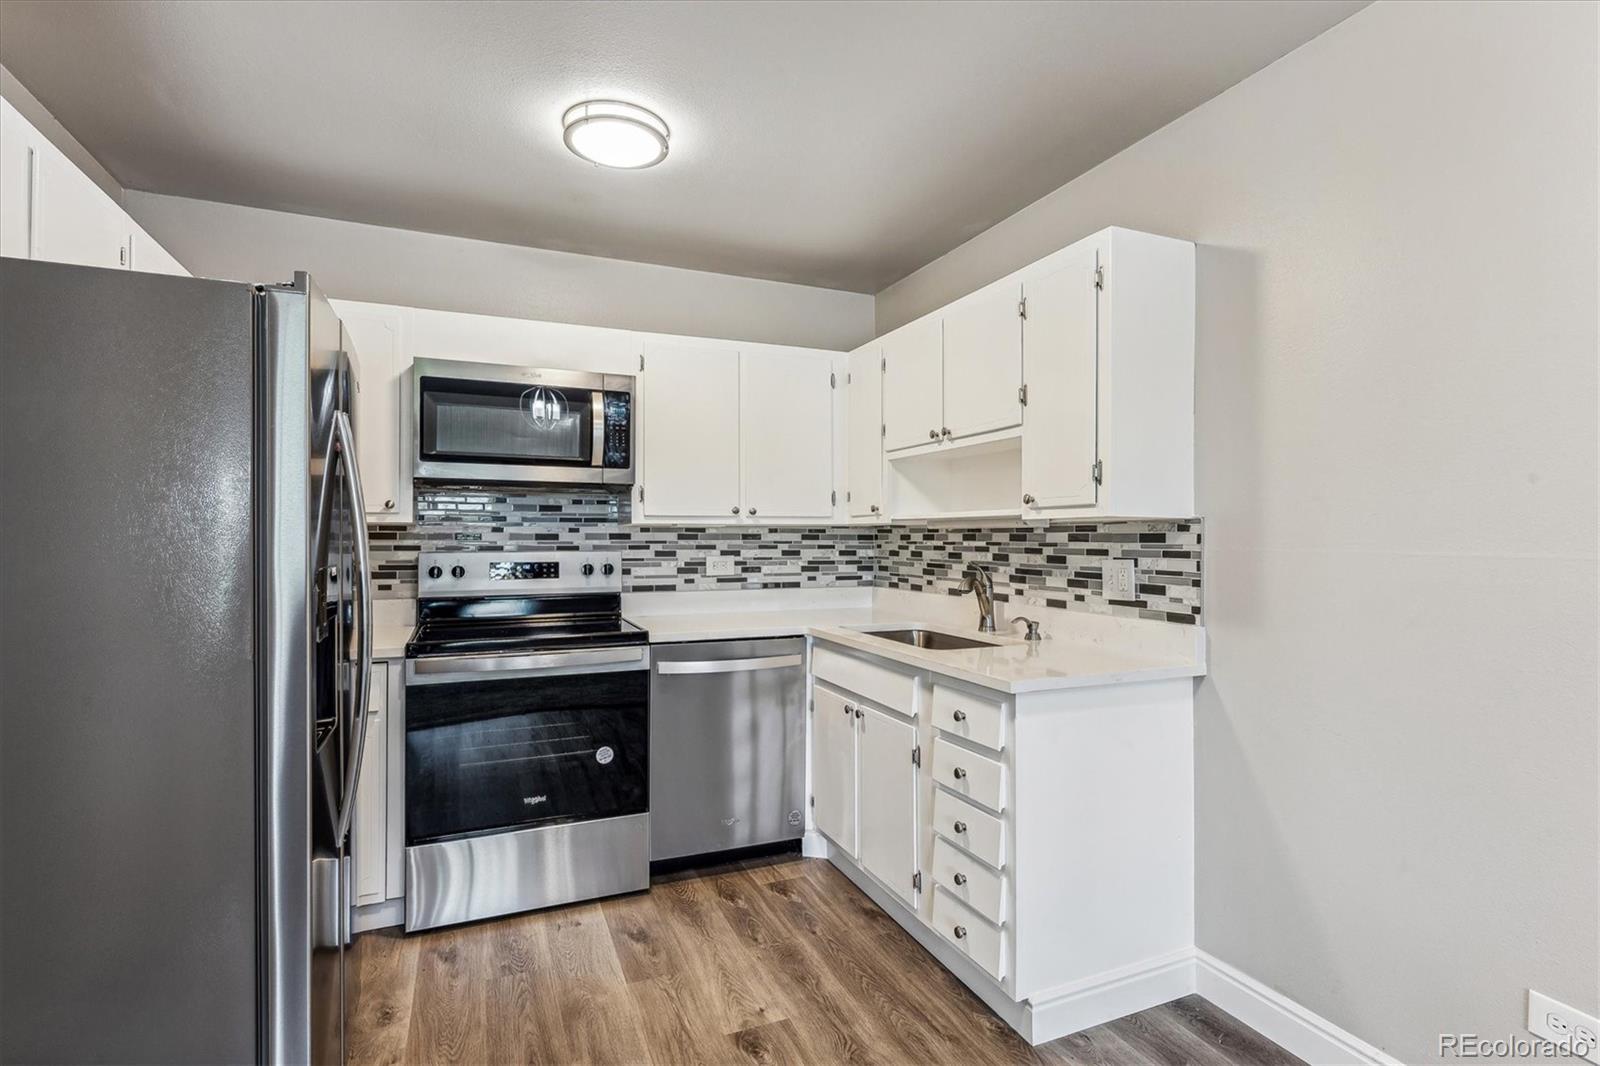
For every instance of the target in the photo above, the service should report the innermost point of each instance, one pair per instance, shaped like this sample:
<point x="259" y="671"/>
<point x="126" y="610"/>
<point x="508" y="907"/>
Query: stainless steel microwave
<point x="476" y="423"/>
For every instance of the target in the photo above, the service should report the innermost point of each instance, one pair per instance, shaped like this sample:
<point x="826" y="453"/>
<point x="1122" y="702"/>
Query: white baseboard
<point x="1108" y="996"/>
<point x="1279" y="1018"/>
<point x="814" y="845"/>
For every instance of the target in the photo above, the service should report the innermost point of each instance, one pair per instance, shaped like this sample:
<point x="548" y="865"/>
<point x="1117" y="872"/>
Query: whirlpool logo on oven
<point x="534" y="801"/>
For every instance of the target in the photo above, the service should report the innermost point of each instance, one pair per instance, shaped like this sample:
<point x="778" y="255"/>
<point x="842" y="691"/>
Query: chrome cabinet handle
<point x="874" y="508"/>
<point x="959" y="773"/>
<point x="933" y="434"/>
<point x="727" y="666"/>
<point x="849" y="710"/>
<point x="960" y="827"/>
<point x="1028" y="500"/>
<point x="960" y="716"/>
<point x="859" y="715"/>
<point x="736" y="510"/>
<point x="961" y="932"/>
<point x="945" y="432"/>
<point x="388" y="505"/>
<point x="960" y="879"/>
<point x="752" y="511"/>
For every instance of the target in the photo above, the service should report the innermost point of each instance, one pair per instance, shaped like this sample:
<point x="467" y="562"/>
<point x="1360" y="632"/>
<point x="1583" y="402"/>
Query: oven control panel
<point x="495" y="573"/>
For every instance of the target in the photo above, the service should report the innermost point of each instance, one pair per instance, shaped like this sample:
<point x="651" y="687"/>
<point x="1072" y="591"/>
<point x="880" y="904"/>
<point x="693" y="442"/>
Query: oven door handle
<point x="494" y="664"/>
<point x="346" y="442"/>
<point x="728" y="666"/>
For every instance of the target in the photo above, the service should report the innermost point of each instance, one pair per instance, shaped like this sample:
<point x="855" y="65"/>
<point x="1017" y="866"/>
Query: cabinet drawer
<point x="971" y="932"/>
<point x="969" y="880"/>
<point x="966" y="773"/>
<point x="972" y="827"/>
<point x="970" y="717"/>
<point x="880" y="684"/>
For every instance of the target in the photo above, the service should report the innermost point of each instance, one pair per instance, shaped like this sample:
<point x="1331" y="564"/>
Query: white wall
<point x="377" y="264"/>
<point x="1396" y="416"/>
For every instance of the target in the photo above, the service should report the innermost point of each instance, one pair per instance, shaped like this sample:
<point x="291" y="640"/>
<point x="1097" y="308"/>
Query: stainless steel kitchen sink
<point x="930" y="639"/>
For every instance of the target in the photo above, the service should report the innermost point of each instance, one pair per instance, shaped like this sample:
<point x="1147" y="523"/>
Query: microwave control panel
<point x="618" y="436"/>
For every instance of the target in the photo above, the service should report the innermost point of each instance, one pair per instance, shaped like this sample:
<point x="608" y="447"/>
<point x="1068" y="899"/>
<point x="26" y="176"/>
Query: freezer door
<point x="727" y="745"/>
<point x="128" y="804"/>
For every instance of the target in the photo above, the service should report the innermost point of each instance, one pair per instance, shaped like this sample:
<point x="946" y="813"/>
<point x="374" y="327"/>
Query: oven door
<point x="484" y="422"/>
<point x="490" y="754"/>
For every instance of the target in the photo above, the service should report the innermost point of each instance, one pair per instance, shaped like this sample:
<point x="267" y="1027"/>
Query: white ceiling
<point x="833" y="144"/>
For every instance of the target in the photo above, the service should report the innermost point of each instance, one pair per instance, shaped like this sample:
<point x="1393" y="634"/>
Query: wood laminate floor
<point x="768" y="961"/>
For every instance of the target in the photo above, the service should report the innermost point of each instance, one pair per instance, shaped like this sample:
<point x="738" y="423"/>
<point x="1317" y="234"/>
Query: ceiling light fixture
<point x="611" y="133"/>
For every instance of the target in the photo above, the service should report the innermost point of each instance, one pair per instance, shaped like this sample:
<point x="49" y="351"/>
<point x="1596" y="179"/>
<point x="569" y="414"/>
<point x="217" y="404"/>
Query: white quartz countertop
<point x="389" y="639"/>
<point x="1013" y="665"/>
<point x="1097" y="654"/>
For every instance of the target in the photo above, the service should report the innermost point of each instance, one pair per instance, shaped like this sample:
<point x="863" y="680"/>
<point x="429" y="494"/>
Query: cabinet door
<point x="377" y="338"/>
<point x="866" y="432"/>
<point x="74" y="221"/>
<point x="983" y="363"/>
<point x="395" y="709"/>
<point x="913" y="384"/>
<point x="369" y="836"/>
<point x="689" y="448"/>
<point x="833" y="767"/>
<point x="1060" y="346"/>
<point x="888" y="801"/>
<point x="786" y="435"/>
<point x="146" y="254"/>
<point x="16" y="181"/>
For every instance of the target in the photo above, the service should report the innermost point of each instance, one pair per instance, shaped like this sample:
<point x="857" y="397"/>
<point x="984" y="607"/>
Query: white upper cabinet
<point x="51" y="210"/>
<point x="1060" y="345"/>
<point x="865" y="435"/>
<point x="690" y="431"/>
<point x="786" y="435"/>
<point x="377" y="335"/>
<point x="887" y="801"/>
<point x="913" y="384"/>
<point x="983" y="363"/>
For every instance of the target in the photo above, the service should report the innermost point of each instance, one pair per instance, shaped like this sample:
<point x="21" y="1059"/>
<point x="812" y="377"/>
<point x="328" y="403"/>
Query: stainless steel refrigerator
<point x="185" y="654"/>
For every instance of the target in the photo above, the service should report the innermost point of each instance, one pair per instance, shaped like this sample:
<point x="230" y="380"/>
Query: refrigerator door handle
<point x="344" y="438"/>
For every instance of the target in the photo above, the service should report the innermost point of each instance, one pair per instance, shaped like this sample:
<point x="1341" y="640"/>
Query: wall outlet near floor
<point x="1564" y="1025"/>
<point x="721" y="564"/>
<point x="1119" y="580"/>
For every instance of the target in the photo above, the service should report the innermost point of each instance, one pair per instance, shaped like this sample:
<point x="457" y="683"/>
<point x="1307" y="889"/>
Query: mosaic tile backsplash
<point x="1055" y="565"/>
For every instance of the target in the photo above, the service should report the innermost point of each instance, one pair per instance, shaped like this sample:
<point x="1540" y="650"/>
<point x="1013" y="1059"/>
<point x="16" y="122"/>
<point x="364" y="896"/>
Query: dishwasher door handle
<point x="728" y="666"/>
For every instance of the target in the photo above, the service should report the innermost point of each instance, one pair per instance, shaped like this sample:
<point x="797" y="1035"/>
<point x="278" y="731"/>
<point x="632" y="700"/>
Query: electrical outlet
<point x="1119" y="579"/>
<point x="1564" y="1025"/>
<point x="720" y="565"/>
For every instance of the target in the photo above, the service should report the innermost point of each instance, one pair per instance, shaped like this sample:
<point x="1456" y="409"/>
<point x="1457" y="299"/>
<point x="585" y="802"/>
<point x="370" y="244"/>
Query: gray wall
<point x="1396" y="409"/>
<point x="29" y="107"/>
<point x="353" y="261"/>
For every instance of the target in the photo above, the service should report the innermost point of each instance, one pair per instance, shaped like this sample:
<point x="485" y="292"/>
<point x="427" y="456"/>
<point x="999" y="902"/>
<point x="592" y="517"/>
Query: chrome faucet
<point x="977" y="581"/>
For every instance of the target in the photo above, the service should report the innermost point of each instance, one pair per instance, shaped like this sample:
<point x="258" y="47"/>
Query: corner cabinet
<point x="377" y="337"/>
<point x="730" y="435"/>
<point x="864" y="376"/>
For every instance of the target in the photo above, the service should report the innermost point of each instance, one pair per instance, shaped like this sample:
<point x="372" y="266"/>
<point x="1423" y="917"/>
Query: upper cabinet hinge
<point x="846" y="495"/>
<point x="916" y="755"/>
<point x="883" y="431"/>
<point x="641" y="362"/>
<point x="641" y="492"/>
<point x="833" y="381"/>
<point x="883" y="362"/>
<point x="1022" y="307"/>
<point x="916" y="881"/>
<point x="1099" y="277"/>
<point x="849" y="378"/>
<point x="813" y="801"/>
<point x="1099" y="472"/>
<point x="833" y="497"/>
<point x="1022" y="395"/>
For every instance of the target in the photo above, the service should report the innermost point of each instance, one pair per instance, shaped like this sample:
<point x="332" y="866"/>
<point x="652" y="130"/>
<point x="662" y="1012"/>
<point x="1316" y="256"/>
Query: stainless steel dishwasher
<point x="727" y="745"/>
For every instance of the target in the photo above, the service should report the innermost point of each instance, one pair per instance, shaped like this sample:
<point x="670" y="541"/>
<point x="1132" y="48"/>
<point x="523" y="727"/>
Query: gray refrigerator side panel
<point x="128" y="850"/>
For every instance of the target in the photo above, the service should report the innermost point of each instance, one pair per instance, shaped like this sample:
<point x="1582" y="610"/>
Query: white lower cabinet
<point x="887" y="799"/>
<point x="377" y="827"/>
<point x="1041" y="846"/>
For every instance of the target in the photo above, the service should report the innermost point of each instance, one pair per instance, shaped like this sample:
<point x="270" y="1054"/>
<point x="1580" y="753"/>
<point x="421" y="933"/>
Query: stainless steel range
<point x="527" y="736"/>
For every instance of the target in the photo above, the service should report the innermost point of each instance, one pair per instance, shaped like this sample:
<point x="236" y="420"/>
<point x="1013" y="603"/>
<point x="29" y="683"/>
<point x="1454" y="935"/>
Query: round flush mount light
<point x="611" y="133"/>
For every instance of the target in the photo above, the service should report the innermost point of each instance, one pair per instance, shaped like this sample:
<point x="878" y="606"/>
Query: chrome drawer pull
<point x="959" y="772"/>
<point x="961" y="932"/>
<point x="960" y="716"/>
<point x="960" y="827"/>
<point x="960" y="880"/>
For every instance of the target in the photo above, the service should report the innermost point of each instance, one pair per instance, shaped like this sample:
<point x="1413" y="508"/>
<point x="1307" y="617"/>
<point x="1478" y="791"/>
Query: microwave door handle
<point x="597" y="421"/>
<point x="360" y="718"/>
